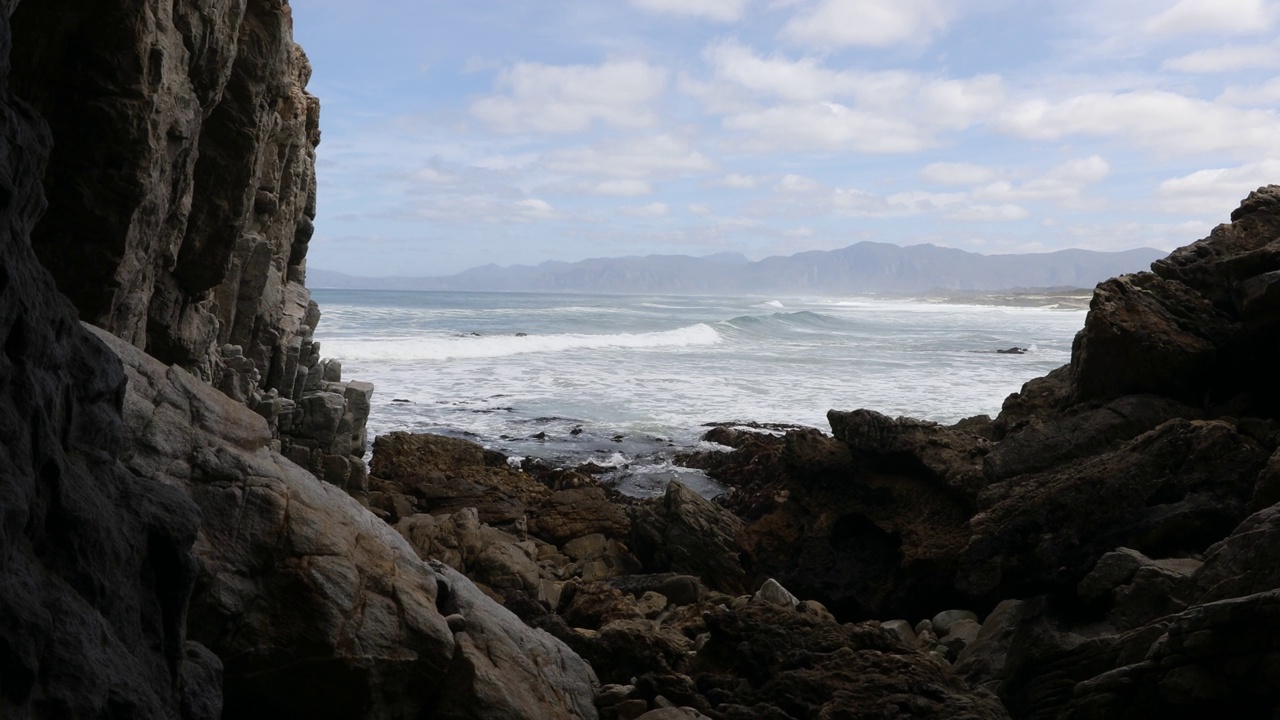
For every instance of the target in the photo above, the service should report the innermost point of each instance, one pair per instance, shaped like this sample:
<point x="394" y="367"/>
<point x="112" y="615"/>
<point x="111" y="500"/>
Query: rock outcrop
<point x="317" y="607"/>
<point x="1116" y="521"/>
<point x="181" y="221"/>
<point x="95" y="563"/>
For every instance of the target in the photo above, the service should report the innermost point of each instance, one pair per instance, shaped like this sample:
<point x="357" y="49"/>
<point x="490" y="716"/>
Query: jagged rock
<point x="773" y="593"/>
<point x="906" y="446"/>
<point x="1172" y="490"/>
<point x="484" y="554"/>
<point x="1244" y="563"/>
<point x="1145" y="334"/>
<point x="902" y="630"/>
<point x="437" y="474"/>
<point x="683" y="532"/>
<point x="789" y="662"/>
<point x="573" y="513"/>
<point x="1084" y="431"/>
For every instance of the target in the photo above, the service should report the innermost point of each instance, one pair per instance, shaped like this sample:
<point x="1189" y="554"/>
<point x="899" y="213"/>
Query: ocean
<point x="627" y="381"/>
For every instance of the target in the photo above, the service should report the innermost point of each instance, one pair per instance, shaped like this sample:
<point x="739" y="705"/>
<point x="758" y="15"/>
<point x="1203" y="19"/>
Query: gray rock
<point x="943" y="621"/>
<point x="902" y="630"/>
<point x="773" y="593"/>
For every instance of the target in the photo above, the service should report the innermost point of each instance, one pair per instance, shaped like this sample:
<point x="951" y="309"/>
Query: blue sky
<point x="457" y="134"/>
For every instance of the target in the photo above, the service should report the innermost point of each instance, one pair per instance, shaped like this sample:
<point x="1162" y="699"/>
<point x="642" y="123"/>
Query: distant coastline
<point x="863" y="268"/>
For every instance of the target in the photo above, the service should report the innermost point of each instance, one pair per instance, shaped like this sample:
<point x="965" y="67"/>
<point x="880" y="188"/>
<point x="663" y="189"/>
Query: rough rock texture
<point x="317" y="607"/>
<point x="180" y="221"/>
<point x="765" y="661"/>
<point x="95" y="563"/>
<point x="683" y="532"/>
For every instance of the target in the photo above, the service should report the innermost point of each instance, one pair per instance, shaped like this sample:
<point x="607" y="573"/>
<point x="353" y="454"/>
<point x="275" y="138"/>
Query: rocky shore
<point x="187" y="529"/>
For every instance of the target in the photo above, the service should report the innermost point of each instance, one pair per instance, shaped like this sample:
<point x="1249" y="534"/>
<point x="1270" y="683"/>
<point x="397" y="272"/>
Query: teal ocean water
<point x="628" y="380"/>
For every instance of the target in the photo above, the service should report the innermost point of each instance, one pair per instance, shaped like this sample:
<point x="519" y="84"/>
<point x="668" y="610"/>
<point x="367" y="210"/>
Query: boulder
<point x="683" y="532"/>
<point x="316" y="606"/>
<point x="905" y="446"/>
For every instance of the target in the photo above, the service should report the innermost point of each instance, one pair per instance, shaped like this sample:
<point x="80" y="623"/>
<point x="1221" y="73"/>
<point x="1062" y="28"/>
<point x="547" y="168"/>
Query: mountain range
<point x="866" y="267"/>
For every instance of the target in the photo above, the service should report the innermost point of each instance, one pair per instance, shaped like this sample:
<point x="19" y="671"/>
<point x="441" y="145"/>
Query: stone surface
<point x="96" y="566"/>
<point x="906" y="446"/>
<point x="181" y="221"/>
<point x="1173" y="490"/>
<point x="683" y="532"/>
<point x="317" y="607"/>
<point x="773" y="593"/>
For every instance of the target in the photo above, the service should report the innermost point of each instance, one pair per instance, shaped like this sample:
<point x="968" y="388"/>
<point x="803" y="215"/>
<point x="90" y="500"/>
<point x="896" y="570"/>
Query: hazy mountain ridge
<point x="860" y="268"/>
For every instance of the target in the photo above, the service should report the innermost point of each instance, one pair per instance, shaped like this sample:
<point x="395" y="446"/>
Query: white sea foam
<point x="495" y="346"/>
<point x="771" y="304"/>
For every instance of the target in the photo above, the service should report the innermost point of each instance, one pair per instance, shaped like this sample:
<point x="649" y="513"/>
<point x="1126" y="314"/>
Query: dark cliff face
<point x="181" y="191"/>
<point x="96" y="562"/>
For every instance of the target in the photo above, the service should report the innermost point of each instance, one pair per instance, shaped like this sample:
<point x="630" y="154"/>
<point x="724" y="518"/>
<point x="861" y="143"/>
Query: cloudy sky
<point x="457" y="134"/>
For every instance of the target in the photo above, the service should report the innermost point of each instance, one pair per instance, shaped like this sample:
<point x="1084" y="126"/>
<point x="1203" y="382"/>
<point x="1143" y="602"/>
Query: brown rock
<point x="683" y="532"/>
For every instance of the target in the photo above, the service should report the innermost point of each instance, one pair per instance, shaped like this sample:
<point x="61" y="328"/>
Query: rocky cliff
<point x="181" y="191"/>
<point x="159" y="556"/>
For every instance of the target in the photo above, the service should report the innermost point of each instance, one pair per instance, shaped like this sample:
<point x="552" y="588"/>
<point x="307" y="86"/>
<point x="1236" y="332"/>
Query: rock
<point x="683" y="532"/>
<point x="773" y="593"/>
<point x="1243" y="563"/>
<point x="1081" y="432"/>
<point x="908" y="446"/>
<point x="961" y="634"/>
<point x="902" y="630"/>
<point x="815" y="669"/>
<point x="96" y="562"/>
<point x="573" y="513"/>
<point x="943" y="621"/>
<point x="631" y="709"/>
<point x="291" y="567"/>
<point x="442" y="475"/>
<point x="1170" y="491"/>
<point x="672" y="713"/>
<point x="504" y="669"/>
<point x="613" y="694"/>
<point x="815" y="609"/>
<point x="652" y="603"/>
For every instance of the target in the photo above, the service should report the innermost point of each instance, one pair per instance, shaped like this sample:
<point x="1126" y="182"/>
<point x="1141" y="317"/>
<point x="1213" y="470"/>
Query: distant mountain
<point x="866" y="267"/>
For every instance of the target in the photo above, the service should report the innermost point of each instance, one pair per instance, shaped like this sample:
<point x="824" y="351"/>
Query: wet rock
<point x="902" y="630"/>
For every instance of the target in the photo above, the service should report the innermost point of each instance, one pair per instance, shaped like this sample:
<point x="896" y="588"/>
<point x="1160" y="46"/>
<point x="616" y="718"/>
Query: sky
<point x="457" y="134"/>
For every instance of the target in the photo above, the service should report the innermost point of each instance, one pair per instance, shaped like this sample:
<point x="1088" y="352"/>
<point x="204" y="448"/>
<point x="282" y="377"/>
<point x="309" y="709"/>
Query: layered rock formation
<point x="181" y="191"/>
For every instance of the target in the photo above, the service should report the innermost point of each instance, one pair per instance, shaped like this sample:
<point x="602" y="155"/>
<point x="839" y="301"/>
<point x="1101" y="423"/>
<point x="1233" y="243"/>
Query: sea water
<point x="627" y="381"/>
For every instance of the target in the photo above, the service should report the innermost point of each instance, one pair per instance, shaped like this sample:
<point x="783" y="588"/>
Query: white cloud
<point x="718" y="10"/>
<point x="987" y="213"/>
<point x="791" y="183"/>
<point x="656" y="209"/>
<point x="1234" y="17"/>
<point x="959" y="174"/>
<point x="570" y="98"/>
<point x="1227" y="59"/>
<point x="830" y="126"/>
<point x="1064" y="182"/>
<point x="874" y="23"/>
<point x="1215" y="191"/>
<point x="621" y="188"/>
<point x="803" y="105"/>
<point x="634" y="158"/>
<point x="739" y="181"/>
<point x="535" y="209"/>
<point x="700" y="209"/>
<point x="1265" y="95"/>
<point x="1166" y="122"/>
